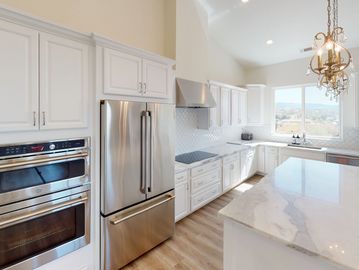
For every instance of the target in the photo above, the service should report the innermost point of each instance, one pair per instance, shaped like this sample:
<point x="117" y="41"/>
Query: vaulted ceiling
<point x="243" y="28"/>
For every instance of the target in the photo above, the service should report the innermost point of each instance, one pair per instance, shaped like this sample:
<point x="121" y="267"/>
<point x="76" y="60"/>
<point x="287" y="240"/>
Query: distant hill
<point x="310" y="106"/>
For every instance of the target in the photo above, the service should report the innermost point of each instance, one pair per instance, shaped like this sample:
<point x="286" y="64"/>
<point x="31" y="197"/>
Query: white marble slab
<point x="311" y="206"/>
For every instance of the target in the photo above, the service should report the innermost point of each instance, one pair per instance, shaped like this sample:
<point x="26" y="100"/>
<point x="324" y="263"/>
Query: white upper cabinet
<point x="155" y="79"/>
<point x="225" y="107"/>
<point x="122" y="73"/>
<point x="63" y="83"/>
<point x="255" y="104"/>
<point x="130" y="75"/>
<point x="239" y="107"/>
<point x="18" y="78"/>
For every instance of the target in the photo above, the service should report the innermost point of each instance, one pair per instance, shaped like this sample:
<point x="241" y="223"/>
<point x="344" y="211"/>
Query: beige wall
<point x="139" y="23"/>
<point x="191" y="41"/>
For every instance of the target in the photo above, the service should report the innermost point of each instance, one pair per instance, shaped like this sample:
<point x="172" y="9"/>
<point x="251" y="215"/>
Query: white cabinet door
<point x="227" y="175"/>
<point x="155" y="79"/>
<point x="271" y="159"/>
<point x="225" y="107"/>
<point x="243" y="108"/>
<point x="18" y="78"/>
<point x="249" y="163"/>
<point x="215" y="113"/>
<point x="261" y="159"/>
<point x="235" y="108"/>
<point x="63" y="83"/>
<point x="122" y="73"/>
<point x="255" y="105"/>
<point x="182" y="207"/>
<point x="236" y="173"/>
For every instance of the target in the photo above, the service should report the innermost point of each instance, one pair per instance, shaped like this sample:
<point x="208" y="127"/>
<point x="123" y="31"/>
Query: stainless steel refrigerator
<point x="137" y="179"/>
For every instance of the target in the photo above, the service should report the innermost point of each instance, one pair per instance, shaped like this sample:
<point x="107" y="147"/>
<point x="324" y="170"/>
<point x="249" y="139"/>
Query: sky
<point x="312" y="95"/>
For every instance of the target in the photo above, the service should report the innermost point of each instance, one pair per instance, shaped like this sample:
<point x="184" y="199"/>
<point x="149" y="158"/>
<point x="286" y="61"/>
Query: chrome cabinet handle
<point x="140" y="87"/>
<point x="42" y="212"/>
<point x="43" y="118"/>
<point x="118" y="221"/>
<point x="145" y="86"/>
<point x="34" y="118"/>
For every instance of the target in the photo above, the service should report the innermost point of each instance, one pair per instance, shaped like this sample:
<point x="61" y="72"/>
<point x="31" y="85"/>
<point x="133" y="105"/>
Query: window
<point x="306" y="109"/>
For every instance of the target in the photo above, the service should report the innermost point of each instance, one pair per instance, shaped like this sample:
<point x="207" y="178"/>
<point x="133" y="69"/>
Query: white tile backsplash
<point x="189" y="138"/>
<point x="350" y="138"/>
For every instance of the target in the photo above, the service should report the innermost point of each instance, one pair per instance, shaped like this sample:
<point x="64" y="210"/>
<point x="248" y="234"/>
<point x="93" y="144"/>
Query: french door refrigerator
<point x="137" y="179"/>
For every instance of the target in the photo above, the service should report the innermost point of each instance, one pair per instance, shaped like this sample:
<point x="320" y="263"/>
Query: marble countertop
<point x="308" y="205"/>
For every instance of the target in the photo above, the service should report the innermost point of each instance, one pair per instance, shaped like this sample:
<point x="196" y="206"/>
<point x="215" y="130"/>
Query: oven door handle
<point x="42" y="160"/>
<point x="42" y="212"/>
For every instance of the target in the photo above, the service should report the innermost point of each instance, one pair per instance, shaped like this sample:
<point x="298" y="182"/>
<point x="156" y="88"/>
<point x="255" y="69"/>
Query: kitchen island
<point x="304" y="215"/>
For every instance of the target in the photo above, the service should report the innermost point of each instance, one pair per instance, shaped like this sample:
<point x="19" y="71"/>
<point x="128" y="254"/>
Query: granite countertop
<point x="308" y="205"/>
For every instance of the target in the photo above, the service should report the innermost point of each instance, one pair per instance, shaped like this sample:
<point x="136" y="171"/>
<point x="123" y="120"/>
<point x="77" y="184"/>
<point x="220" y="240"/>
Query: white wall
<point x="222" y="66"/>
<point x="294" y="73"/>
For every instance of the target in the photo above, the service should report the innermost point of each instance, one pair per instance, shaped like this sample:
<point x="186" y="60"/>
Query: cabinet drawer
<point x="201" y="182"/>
<point x="205" y="168"/>
<point x="181" y="177"/>
<point x="206" y="196"/>
<point x="231" y="158"/>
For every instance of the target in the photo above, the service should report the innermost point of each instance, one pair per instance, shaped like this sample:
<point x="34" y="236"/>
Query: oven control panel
<point x="54" y="146"/>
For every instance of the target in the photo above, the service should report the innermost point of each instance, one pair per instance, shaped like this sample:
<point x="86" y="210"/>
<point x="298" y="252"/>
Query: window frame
<point x="302" y="128"/>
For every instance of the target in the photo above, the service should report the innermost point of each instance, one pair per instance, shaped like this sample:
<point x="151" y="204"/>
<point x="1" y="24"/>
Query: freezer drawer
<point x="134" y="231"/>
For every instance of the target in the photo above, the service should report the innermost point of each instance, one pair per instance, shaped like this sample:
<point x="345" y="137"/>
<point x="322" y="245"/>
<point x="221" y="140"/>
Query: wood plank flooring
<point x="198" y="240"/>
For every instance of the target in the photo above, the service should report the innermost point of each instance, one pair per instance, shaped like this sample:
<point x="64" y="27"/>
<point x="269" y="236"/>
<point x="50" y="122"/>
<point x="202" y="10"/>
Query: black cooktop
<point x="192" y="157"/>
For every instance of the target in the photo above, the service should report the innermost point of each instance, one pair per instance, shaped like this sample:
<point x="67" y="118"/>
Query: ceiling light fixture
<point x="269" y="42"/>
<point x="331" y="58"/>
<point x="245" y="1"/>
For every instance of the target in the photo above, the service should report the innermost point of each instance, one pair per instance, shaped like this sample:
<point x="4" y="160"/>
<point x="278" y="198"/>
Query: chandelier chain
<point x="329" y="9"/>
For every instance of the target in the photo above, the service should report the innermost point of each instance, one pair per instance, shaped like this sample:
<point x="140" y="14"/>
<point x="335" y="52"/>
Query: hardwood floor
<point x="198" y="240"/>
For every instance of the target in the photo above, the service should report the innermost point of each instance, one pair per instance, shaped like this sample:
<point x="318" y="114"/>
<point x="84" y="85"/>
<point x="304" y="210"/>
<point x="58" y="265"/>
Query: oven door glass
<point x="27" y="239"/>
<point x="38" y="175"/>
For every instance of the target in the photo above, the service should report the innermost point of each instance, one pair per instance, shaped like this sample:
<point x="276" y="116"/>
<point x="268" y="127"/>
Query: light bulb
<point x="329" y="45"/>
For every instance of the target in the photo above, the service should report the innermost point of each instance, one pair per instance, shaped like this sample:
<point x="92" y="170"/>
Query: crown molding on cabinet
<point x="109" y="43"/>
<point x="225" y="85"/>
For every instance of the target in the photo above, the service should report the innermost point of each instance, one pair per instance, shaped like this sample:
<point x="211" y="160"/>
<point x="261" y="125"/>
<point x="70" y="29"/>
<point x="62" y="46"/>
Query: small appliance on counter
<point x="246" y="136"/>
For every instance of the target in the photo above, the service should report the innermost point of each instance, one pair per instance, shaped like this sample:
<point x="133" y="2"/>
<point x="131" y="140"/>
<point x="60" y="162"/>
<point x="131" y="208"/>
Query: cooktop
<point x="192" y="157"/>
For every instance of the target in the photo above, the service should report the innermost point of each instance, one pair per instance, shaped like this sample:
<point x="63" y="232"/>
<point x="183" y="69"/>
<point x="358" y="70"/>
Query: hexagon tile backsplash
<point x="189" y="138"/>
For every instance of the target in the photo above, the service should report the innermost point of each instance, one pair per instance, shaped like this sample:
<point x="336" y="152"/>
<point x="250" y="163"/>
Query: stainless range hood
<point x="191" y="94"/>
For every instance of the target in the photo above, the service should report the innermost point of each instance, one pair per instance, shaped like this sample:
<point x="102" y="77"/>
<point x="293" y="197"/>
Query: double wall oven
<point x="44" y="201"/>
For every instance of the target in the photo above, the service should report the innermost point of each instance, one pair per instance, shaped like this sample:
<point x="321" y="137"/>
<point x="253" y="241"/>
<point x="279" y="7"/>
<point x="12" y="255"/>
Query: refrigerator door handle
<point x="150" y="143"/>
<point x="143" y="151"/>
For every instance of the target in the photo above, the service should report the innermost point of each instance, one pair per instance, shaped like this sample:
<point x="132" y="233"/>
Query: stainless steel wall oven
<point x="44" y="201"/>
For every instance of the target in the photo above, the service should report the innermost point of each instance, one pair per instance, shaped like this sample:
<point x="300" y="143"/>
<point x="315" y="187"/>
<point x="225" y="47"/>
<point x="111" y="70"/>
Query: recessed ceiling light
<point x="245" y="1"/>
<point x="269" y="42"/>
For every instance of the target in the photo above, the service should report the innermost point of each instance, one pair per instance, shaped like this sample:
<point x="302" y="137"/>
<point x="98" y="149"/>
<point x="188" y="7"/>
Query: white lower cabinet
<point x="182" y="204"/>
<point x="261" y="159"/>
<point x="271" y="159"/>
<point x="231" y="172"/>
<point x="249" y="163"/>
<point x="200" y="199"/>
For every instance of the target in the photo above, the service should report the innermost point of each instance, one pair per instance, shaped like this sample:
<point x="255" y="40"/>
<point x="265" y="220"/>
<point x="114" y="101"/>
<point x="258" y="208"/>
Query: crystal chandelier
<point x="331" y="59"/>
